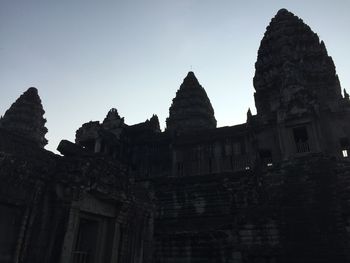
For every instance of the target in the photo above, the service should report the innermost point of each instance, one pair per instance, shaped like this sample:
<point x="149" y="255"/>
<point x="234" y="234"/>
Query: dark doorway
<point x="86" y="244"/>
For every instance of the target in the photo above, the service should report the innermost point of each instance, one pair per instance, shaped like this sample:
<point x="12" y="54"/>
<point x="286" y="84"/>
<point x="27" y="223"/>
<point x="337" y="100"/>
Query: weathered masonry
<point x="274" y="189"/>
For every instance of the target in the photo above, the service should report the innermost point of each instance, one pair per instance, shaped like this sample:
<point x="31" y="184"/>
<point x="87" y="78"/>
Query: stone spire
<point x="154" y="123"/>
<point x="25" y="118"/>
<point x="112" y="120"/>
<point x="249" y="115"/>
<point x="291" y="55"/>
<point x="191" y="108"/>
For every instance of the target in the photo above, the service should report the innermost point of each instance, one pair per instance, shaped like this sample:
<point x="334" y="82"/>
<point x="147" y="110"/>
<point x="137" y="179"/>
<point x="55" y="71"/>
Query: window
<point x="345" y="153"/>
<point x="93" y="240"/>
<point x="344" y="144"/>
<point x="301" y="139"/>
<point x="236" y="148"/>
<point x="180" y="168"/>
<point x="86" y="243"/>
<point x="227" y="148"/>
<point x="266" y="157"/>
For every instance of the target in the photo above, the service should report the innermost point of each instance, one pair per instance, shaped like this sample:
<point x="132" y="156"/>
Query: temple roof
<point x="291" y="53"/>
<point x="191" y="108"/>
<point x="25" y="118"/>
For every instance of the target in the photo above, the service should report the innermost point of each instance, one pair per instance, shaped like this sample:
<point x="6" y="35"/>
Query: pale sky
<point x="87" y="56"/>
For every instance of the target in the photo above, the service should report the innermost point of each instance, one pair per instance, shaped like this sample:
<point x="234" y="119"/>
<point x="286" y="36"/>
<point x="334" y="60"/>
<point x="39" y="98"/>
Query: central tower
<point x="191" y="108"/>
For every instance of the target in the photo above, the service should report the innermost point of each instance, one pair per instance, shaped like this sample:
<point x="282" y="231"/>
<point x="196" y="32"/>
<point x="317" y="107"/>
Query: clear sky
<point x="87" y="56"/>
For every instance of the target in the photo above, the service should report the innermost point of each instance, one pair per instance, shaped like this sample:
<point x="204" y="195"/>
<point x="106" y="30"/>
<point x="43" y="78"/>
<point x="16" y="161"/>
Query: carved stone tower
<point x="293" y="69"/>
<point x="25" y="118"/>
<point x="191" y="108"/>
<point x="297" y="88"/>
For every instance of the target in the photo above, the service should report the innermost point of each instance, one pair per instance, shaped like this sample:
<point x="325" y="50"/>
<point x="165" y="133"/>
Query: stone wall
<point x="292" y="212"/>
<point x="70" y="209"/>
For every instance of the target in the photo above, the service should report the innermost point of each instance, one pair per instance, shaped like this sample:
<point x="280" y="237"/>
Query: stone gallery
<point x="274" y="189"/>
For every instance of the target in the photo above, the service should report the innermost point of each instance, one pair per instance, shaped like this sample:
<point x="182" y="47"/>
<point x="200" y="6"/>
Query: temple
<point x="275" y="189"/>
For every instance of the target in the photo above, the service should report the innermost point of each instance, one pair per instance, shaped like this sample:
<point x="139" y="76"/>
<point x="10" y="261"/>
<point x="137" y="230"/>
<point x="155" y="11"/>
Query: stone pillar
<point x="69" y="237"/>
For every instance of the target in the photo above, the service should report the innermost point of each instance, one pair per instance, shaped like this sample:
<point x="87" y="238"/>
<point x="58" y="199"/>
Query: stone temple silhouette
<point x="273" y="189"/>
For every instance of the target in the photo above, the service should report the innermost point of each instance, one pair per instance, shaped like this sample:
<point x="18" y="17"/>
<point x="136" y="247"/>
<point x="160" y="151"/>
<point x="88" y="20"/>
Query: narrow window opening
<point x="266" y="157"/>
<point x="236" y="148"/>
<point x="103" y="147"/>
<point x="242" y="146"/>
<point x="180" y="168"/>
<point x="227" y="148"/>
<point x="344" y="144"/>
<point x="345" y="153"/>
<point x="301" y="139"/>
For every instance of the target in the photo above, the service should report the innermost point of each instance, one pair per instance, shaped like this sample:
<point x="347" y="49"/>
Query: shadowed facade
<point x="273" y="189"/>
